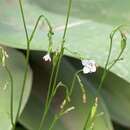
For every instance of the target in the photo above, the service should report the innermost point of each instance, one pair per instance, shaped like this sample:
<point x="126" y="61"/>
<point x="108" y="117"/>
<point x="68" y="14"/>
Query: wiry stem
<point x="106" y="69"/>
<point x="26" y="65"/>
<point x="55" y="70"/>
<point x="28" y="53"/>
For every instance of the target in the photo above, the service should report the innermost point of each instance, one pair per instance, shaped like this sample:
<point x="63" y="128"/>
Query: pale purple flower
<point x="89" y="66"/>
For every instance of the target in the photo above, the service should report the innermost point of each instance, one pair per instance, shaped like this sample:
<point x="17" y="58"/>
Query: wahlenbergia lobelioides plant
<point x="89" y="66"/>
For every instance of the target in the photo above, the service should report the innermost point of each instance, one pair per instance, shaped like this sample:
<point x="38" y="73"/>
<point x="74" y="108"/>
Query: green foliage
<point x="87" y="35"/>
<point x="88" y="28"/>
<point x="72" y="120"/>
<point x="16" y="65"/>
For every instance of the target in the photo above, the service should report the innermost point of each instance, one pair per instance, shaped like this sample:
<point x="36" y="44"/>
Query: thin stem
<point x="101" y="82"/>
<point x="56" y="69"/>
<point x="106" y="69"/>
<point x="109" y="54"/>
<point x="53" y="122"/>
<point x="115" y="61"/>
<point x="62" y="44"/>
<point x="59" y="115"/>
<point x="24" y="81"/>
<point x="50" y="33"/>
<point x="73" y="81"/>
<point x="28" y="52"/>
<point x="63" y="41"/>
<point x="26" y="64"/>
<point x="107" y="62"/>
<point x="67" y="20"/>
<point x="36" y="25"/>
<point x="63" y="86"/>
<point x="46" y="102"/>
<point x="11" y="96"/>
<point x="82" y="89"/>
<point x="23" y="18"/>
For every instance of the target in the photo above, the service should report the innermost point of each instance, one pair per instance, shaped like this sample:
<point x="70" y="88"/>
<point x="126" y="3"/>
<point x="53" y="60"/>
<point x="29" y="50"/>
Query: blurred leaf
<point x="20" y="128"/>
<point x="116" y="93"/>
<point x="117" y="97"/>
<point x="72" y="120"/>
<point x="90" y="24"/>
<point x="16" y="64"/>
<point x="32" y="115"/>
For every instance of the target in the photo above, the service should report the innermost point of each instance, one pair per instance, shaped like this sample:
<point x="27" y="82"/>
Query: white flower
<point x="89" y="66"/>
<point x="47" y="57"/>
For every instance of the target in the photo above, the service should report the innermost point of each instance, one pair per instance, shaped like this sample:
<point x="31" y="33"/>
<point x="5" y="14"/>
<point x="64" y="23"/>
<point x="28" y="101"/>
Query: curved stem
<point x="26" y="64"/>
<point x="24" y="82"/>
<point x="36" y="25"/>
<point x="46" y="102"/>
<point x="28" y="52"/>
<point x="109" y="55"/>
<point x="73" y="81"/>
<point x="53" y="122"/>
<point x="56" y="69"/>
<point x="63" y="41"/>
<point x="115" y="61"/>
<point x="106" y="69"/>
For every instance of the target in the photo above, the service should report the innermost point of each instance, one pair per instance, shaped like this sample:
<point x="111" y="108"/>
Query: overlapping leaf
<point x="117" y="97"/>
<point x="72" y="120"/>
<point x="16" y="64"/>
<point x="88" y="30"/>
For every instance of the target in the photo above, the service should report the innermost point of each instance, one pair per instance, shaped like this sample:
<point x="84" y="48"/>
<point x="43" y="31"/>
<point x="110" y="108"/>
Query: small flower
<point x="47" y="57"/>
<point x="89" y="66"/>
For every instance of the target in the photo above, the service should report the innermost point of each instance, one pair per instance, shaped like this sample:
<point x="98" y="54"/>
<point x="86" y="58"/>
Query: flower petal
<point x="86" y="70"/>
<point x="93" y="68"/>
<point x="47" y="57"/>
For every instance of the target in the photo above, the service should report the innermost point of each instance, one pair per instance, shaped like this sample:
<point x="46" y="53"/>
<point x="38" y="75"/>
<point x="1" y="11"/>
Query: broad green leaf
<point x="32" y="115"/>
<point x="20" y="128"/>
<point x="16" y="64"/>
<point x="117" y="97"/>
<point x="116" y="94"/>
<point x="88" y="31"/>
<point x="72" y="120"/>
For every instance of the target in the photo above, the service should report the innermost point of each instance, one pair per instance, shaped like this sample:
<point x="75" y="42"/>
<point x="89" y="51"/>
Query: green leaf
<point x="117" y="97"/>
<point x="116" y="93"/>
<point x="16" y="64"/>
<point x="20" y="128"/>
<point x="72" y="120"/>
<point x="88" y="30"/>
<point x="32" y="115"/>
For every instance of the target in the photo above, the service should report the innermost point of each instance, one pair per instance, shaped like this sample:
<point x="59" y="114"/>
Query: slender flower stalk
<point x="107" y="67"/>
<point x="26" y="64"/>
<point x="55" y="69"/>
<point x="59" y="115"/>
<point x="74" y="80"/>
<point x="28" y="53"/>
<point x="68" y="96"/>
